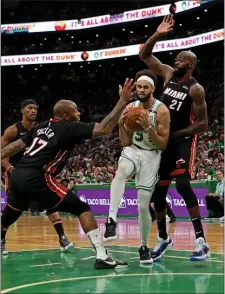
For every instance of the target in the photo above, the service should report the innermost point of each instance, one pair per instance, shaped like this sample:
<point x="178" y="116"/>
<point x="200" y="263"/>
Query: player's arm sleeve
<point x="76" y="131"/>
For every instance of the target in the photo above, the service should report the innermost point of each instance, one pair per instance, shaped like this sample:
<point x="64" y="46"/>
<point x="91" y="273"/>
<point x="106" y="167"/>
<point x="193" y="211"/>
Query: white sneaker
<point x="201" y="250"/>
<point x="221" y="219"/>
<point x="44" y="212"/>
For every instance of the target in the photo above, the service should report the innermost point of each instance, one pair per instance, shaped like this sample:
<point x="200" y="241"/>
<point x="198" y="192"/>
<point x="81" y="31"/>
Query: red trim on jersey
<point x="16" y="209"/>
<point x="165" y="183"/>
<point x="6" y="182"/>
<point x="178" y="172"/>
<point x="193" y="154"/>
<point x="52" y="183"/>
<point x="193" y="147"/>
<point x="51" y="167"/>
<point x="54" y="120"/>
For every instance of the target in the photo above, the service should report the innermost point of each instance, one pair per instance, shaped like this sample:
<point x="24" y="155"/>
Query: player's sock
<point x="125" y="169"/>
<point x="161" y="223"/>
<point x="9" y="216"/>
<point x="96" y="240"/>
<point x="145" y="220"/>
<point x="57" y="224"/>
<point x="197" y="223"/>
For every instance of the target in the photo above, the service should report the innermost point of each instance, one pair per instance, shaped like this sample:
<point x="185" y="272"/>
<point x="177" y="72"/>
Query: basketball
<point x="131" y="118"/>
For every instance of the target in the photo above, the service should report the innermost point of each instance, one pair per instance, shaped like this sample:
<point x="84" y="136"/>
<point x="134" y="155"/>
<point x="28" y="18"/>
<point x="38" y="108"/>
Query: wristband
<point x="9" y="168"/>
<point x="148" y="128"/>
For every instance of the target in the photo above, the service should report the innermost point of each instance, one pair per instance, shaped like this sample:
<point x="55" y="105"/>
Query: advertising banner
<point x="99" y="200"/>
<point x="98" y="21"/>
<point x="3" y="198"/>
<point x="168" y="45"/>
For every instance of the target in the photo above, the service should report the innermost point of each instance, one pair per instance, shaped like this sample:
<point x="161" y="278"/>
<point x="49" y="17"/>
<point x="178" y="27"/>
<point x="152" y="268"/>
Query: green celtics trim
<point x="156" y="109"/>
<point x="149" y="188"/>
<point x="153" y="104"/>
<point x="124" y="156"/>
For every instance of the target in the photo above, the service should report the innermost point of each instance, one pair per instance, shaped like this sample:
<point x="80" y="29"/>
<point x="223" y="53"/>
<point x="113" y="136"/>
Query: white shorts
<point x="146" y="166"/>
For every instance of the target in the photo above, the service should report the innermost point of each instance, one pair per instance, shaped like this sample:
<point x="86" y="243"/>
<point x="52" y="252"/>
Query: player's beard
<point x="180" y="72"/>
<point x="145" y="99"/>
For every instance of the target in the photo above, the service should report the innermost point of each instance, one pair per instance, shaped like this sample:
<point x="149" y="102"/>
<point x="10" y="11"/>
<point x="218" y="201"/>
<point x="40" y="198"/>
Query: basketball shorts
<point x="178" y="157"/>
<point x="28" y="185"/>
<point x="146" y="166"/>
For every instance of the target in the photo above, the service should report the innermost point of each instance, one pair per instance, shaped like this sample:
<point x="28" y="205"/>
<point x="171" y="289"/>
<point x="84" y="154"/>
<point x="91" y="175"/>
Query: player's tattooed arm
<point x="125" y="135"/>
<point x="199" y="109"/>
<point x="109" y="122"/>
<point x="8" y="136"/>
<point x="12" y="149"/>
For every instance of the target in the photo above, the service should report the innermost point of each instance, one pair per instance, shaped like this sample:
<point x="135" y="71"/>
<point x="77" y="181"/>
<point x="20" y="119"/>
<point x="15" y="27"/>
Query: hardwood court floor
<point x="37" y="266"/>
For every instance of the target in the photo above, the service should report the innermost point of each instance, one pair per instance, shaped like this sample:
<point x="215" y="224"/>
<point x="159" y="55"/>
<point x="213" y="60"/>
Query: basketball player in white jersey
<point x="141" y="157"/>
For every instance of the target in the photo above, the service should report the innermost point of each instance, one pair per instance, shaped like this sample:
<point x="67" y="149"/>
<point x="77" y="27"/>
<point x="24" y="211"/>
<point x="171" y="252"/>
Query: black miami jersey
<point x="176" y="97"/>
<point x="21" y="131"/>
<point x="50" y="144"/>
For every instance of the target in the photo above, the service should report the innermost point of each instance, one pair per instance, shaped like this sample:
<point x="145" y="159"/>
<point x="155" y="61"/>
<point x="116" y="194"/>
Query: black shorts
<point x="178" y="157"/>
<point x="31" y="184"/>
<point x="28" y="184"/>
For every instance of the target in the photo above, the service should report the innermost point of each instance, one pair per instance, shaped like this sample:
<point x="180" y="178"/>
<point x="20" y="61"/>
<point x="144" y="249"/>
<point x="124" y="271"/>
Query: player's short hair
<point x="148" y="73"/>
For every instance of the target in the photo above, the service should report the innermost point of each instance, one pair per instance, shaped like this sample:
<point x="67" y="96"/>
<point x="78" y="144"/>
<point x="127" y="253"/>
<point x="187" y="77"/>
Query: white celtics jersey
<point x="141" y="138"/>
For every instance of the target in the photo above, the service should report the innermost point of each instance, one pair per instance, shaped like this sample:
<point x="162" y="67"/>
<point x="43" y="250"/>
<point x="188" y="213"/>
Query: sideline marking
<point x="170" y="256"/>
<point x="90" y="257"/>
<point x="106" y="276"/>
<point x="107" y="246"/>
<point x="45" y="264"/>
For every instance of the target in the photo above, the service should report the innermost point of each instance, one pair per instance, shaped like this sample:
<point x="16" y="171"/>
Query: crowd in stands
<point x="95" y="94"/>
<point x="94" y="87"/>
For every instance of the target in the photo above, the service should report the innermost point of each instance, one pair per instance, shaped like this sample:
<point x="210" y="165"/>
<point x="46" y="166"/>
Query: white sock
<point x="97" y="242"/>
<point x="145" y="220"/>
<point x="125" y="169"/>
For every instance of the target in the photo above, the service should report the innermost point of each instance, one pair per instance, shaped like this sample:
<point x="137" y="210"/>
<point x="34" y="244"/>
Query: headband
<point x="148" y="79"/>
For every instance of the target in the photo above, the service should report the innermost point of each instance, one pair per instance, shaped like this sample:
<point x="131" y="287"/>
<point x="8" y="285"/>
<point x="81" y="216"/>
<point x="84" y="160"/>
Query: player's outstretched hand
<point x="128" y="90"/>
<point x="166" y="25"/>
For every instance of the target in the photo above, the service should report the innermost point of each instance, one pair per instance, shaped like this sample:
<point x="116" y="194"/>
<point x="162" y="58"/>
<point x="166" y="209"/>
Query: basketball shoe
<point x="110" y="263"/>
<point x="161" y="247"/>
<point x="145" y="257"/>
<point x="110" y="230"/>
<point x="3" y="249"/>
<point x="201" y="250"/>
<point x="65" y="244"/>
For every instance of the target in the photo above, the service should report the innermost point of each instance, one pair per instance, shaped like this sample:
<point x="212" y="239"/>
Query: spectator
<point x="71" y="185"/>
<point x="65" y="182"/>
<point x="215" y="201"/>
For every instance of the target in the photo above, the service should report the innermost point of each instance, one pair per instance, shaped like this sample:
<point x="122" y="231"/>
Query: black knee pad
<point x="160" y="198"/>
<point x="72" y="204"/>
<point x="183" y="187"/>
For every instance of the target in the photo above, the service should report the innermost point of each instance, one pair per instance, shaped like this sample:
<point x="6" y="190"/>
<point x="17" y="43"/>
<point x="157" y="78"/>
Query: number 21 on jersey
<point x="175" y="105"/>
<point x="36" y="146"/>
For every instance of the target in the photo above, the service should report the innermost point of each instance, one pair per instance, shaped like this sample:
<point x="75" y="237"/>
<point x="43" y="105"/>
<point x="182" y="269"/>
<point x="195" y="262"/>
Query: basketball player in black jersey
<point x="185" y="98"/>
<point x="48" y="147"/>
<point x="13" y="133"/>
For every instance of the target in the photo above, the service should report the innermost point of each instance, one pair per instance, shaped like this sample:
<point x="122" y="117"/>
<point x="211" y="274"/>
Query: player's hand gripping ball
<point x="131" y="118"/>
